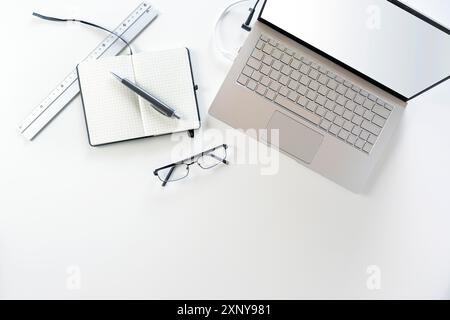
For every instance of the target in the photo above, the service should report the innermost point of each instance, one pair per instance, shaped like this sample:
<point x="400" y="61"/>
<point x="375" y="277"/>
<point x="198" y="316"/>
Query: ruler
<point x="69" y="88"/>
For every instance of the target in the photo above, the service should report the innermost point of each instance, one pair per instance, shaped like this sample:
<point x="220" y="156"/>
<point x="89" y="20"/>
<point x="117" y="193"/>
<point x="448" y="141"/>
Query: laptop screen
<point x="376" y="38"/>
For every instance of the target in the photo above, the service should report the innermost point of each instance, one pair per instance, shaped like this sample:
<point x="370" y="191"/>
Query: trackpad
<point x="295" y="138"/>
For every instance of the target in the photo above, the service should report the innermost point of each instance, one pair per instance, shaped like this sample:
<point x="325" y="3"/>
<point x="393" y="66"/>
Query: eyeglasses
<point x="180" y="170"/>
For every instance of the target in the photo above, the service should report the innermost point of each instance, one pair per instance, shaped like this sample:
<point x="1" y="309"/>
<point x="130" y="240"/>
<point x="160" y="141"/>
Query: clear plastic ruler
<point x="69" y="88"/>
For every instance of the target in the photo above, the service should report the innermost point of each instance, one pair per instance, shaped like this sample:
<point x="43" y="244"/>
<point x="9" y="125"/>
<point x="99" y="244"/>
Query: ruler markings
<point x="44" y="112"/>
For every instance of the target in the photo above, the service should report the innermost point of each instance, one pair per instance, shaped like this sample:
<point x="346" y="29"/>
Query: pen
<point x="157" y="104"/>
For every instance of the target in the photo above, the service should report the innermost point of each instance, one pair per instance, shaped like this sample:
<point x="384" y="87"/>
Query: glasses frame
<point x="188" y="162"/>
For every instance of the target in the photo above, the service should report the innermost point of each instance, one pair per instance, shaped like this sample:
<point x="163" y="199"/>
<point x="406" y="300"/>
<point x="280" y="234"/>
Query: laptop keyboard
<point x="326" y="100"/>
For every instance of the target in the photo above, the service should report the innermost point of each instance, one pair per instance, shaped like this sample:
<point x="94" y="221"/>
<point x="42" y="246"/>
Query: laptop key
<point x="268" y="48"/>
<point x="323" y="90"/>
<point x="368" y="104"/>
<point x="284" y="91"/>
<point x="334" y="129"/>
<point x="359" y="99"/>
<point x="329" y="105"/>
<point x="341" y="101"/>
<point x="256" y="75"/>
<point x="368" y="115"/>
<point x="302" y="90"/>
<point x="357" y="131"/>
<point x="359" y="110"/>
<point x="268" y="60"/>
<point x="303" y="101"/>
<point x="286" y="59"/>
<point x="275" y="75"/>
<point x="332" y="84"/>
<point x="321" y="100"/>
<point x="295" y="64"/>
<point x="389" y="107"/>
<point x="247" y="71"/>
<point x="293" y="96"/>
<point x="305" y="69"/>
<point x="352" y="139"/>
<point x="357" y="120"/>
<point x="325" y="124"/>
<point x="367" y="147"/>
<point x="286" y="70"/>
<point x="260" y="45"/>
<point x="364" y="135"/>
<point x="243" y="80"/>
<point x="339" y="110"/>
<point x="314" y="85"/>
<point x="372" y="139"/>
<point x="350" y="94"/>
<point x="348" y="126"/>
<point x="381" y="111"/>
<point x="311" y="95"/>
<point x="379" y="121"/>
<point x="277" y="54"/>
<point x="293" y="85"/>
<point x="255" y="64"/>
<point x="295" y="75"/>
<point x="359" y="143"/>
<point x="305" y="80"/>
<point x="314" y="74"/>
<point x="275" y="86"/>
<point x="261" y="90"/>
<point x="350" y="105"/>
<point x="258" y="54"/>
<point x="283" y="80"/>
<point x="293" y="107"/>
<point x="321" y="111"/>
<point x="348" y="115"/>
<point x="372" y="128"/>
<point x="270" y="94"/>
<point x="265" y="81"/>
<point x="339" y="121"/>
<point x="252" y="85"/>
<point x="277" y="65"/>
<point x="330" y="116"/>
<point x="343" y="134"/>
<point x="332" y="95"/>
<point x="265" y="70"/>
<point x="311" y="106"/>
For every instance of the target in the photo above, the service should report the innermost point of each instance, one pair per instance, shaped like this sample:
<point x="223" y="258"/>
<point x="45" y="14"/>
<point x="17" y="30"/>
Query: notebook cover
<point x="194" y="88"/>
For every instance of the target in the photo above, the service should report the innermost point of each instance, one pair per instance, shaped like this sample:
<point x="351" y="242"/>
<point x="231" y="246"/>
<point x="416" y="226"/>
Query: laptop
<point x="334" y="77"/>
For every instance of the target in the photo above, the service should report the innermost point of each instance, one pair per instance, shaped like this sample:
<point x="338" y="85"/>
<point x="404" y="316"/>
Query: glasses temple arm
<point x="224" y="161"/>
<point x="166" y="180"/>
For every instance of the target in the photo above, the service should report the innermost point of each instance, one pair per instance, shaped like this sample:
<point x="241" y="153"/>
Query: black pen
<point x="157" y="104"/>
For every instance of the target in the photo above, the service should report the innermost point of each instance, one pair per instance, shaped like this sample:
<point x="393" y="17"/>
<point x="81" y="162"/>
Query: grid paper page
<point x="168" y="76"/>
<point x="112" y="111"/>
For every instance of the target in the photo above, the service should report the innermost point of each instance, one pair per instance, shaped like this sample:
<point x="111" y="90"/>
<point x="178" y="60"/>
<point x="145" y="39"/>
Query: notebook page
<point x="167" y="75"/>
<point x="112" y="111"/>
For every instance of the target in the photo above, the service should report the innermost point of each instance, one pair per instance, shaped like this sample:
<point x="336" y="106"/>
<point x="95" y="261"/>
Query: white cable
<point x="217" y="38"/>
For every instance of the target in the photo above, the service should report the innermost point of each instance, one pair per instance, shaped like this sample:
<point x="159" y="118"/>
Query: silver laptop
<point x="334" y="77"/>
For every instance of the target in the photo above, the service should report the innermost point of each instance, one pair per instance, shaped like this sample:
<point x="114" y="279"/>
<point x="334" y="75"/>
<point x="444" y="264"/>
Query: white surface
<point x="232" y="233"/>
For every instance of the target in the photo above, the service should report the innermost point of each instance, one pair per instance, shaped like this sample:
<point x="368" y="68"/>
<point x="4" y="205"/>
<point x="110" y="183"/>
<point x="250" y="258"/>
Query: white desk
<point x="231" y="233"/>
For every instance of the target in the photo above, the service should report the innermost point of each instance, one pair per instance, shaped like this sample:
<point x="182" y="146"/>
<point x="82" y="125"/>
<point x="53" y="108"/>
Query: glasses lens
<point x="212" y="159"/>
<point x="173" y="173"/>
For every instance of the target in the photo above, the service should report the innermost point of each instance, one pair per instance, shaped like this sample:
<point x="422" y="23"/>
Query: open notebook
<point x="114" y="113"/>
